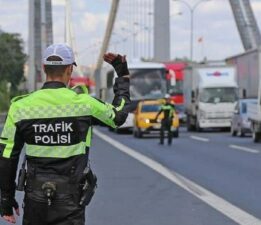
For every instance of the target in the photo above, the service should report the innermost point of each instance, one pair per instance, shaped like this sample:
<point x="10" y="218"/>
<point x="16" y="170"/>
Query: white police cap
<point x="63" y="51"/>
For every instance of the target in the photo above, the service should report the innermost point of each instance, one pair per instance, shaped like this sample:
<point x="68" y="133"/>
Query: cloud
<point x="256" y="5"/>
<point x="92" y="21"/>
<point x="58" y="2"/>
<point x="213" y="20"/>
<point x="215" y="23"/>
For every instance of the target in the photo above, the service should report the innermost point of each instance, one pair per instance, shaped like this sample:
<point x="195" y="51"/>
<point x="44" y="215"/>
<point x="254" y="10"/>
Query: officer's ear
<point x="70" y="69"/>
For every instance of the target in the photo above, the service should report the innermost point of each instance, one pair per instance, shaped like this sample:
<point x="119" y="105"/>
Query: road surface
<point x="205" y="178"/>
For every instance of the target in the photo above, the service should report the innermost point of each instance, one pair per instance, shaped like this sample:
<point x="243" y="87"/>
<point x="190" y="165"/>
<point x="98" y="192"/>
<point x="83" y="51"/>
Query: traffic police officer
<point x="55" y="125"/>
<point x="167" y="109"/>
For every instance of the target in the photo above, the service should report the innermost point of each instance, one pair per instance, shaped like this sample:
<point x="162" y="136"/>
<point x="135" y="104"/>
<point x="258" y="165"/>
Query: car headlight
<point x="147" y="120"/>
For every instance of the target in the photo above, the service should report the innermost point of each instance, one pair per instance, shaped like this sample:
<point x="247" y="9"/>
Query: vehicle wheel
<point x="176" y="133"/>
<point x="256" y="136"/>
<point x="232" y="131"/>
<point x="117" y="131"/>
<point x="189" y="125"/>
<point x="139" y="133"/>
<point x="134" y="133"/>
<point x="198" y="128"/>
<point x="240" y="133"/>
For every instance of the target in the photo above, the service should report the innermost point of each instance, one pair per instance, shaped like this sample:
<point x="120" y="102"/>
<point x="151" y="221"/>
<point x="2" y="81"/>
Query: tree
<point x="4" y="96"/>
<point x="12" y="59"/>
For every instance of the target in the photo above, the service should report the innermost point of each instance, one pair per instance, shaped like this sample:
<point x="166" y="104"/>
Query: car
<point x="144" y="119"/>
<point x="240" y="124"/>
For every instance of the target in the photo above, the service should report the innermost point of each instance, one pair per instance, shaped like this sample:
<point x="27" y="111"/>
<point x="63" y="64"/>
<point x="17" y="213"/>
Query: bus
<point x="147" y="81"/>
<point x="175" y="89"/>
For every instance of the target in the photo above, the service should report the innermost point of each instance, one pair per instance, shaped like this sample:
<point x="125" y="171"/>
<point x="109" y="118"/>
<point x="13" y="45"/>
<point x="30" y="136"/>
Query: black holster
<point x="22" y="177"/>
<point x="88" y="187"/>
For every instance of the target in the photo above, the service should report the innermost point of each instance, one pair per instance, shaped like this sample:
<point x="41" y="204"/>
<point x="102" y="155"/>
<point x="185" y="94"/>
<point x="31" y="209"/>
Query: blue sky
<point x="213" y="21"/>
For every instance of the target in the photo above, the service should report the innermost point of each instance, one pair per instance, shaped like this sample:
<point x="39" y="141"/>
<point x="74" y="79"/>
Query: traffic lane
<point x="232" y="175"/>
<point x="130" y="193"/>
<point x="226" y="138"/>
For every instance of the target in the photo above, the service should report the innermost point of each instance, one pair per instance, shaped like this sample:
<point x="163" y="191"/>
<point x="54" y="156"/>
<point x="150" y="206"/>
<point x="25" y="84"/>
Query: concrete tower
<point x="40" y="36"/>
<point x="161" y="30"/>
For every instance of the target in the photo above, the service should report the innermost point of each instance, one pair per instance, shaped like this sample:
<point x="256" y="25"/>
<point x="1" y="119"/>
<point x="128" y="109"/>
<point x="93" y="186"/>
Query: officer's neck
<point x="62" y="79"/>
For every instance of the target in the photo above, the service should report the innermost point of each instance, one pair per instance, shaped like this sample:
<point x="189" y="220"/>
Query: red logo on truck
<point x="217" y="74"/>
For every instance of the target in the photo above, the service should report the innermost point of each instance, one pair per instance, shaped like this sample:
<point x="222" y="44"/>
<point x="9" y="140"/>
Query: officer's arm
<point x="11" y="144"/>
<point x="113" y="115"/>
<point x="121" y="101"/>
<point x="117" y="112"/>
<point x="161" y="110"/>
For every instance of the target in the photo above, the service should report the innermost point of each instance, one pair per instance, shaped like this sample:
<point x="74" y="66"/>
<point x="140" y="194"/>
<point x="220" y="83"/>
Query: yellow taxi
<point x="144" y="118"/>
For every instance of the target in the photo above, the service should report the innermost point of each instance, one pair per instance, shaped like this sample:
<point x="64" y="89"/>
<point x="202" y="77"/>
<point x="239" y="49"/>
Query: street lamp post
<point x="192" y="10"/>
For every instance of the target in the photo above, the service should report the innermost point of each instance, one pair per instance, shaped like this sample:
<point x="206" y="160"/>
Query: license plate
<point x="156" y="126"/>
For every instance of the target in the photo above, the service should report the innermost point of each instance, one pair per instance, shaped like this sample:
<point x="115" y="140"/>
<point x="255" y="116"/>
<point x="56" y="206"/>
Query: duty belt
<point x="61" y="187"/>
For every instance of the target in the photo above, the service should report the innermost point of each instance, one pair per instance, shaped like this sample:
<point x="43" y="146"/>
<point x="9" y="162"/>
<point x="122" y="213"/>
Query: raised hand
<point x="118" y="62"/>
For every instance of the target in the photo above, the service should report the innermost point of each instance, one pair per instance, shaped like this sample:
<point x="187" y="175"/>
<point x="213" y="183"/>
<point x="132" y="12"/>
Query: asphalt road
<point x="220" y="183"/>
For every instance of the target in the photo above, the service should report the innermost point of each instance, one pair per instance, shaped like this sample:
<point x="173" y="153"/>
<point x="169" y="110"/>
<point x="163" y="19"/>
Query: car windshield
<point x="147" y="84"/>
<point x="217" y="95"/>
<point x="150" y="108"/>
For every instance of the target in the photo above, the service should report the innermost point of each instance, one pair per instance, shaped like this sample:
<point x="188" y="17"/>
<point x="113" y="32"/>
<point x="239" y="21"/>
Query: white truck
<point x="210" y="95"/>
<point x="248" y="67"/>
<point x="255" y="118"/>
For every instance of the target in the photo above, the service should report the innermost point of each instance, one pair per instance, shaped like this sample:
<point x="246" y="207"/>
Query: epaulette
<point x="17" y="98"/>
<point x="80" y="89"/>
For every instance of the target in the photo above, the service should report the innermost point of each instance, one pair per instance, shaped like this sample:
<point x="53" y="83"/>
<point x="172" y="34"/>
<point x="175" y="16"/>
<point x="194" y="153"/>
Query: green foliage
<point x="12" y="60"/>
<point x="4" y="96"/>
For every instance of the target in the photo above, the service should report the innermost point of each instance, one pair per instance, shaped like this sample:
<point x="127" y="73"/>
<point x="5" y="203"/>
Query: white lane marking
<point x="199" y="138"/>
<point x="245" y="149"/>
<point x="231" y="211"/>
